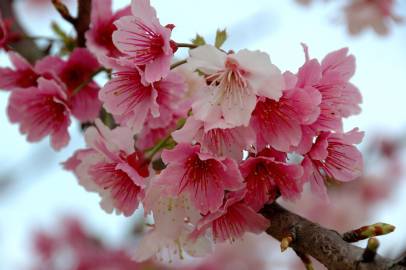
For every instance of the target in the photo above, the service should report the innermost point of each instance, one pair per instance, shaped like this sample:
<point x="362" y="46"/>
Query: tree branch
<point x="326" y="246"/>
<point x="26" y="47"/>
<point x="81" y="22"/>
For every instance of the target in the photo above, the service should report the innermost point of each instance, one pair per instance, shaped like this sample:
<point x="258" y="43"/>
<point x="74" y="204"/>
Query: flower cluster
<point x="73" y="245"/>
<point x="202" y="144"/>
<point x="364" y="14"/>
<point x="44" y="96"/>
<point x="376" y="14"/>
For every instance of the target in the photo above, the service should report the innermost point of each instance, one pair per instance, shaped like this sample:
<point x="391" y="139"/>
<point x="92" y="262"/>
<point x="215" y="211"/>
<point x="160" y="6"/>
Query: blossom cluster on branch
<point x="202" y="143"/>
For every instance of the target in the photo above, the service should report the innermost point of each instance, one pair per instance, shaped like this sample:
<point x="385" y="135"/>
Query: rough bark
<point x="326" y="246"/>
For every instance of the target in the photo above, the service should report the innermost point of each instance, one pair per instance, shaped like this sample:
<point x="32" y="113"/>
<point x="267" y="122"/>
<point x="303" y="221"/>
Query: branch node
<point x="370" y="251"/>
<point x="81" y="23"/>
<point x="287" y="240"/>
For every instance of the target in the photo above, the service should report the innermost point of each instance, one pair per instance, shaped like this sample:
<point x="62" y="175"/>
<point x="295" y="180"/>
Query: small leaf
<point x="221" y="37"/>
<point x="198" y="40"/>
<point x="69" y="42"/>
<point x="58" y="31"/>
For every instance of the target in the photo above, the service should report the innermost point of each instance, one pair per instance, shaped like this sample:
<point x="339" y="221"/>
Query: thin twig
<point x="175" y="65"/>
<point x="63" y="11"/>
<point x="81" y="23"/>
<point x="186" y="45"/>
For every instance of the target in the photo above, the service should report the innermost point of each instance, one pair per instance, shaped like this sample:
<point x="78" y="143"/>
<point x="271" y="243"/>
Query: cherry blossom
<point x="132" y="102"/>
<point x="76" y="73"/>
<point x="232" y="220"/>
<point x="234" y="82"/>
<point x="112" y="167"/>
<point x="221" y="141"/>
<point x="278" y="123"/>
<point x="23" y="76"/>
<point x="41" y="111"/>
<point x="145" y="41"/>
<point x="203" y="177"/>
<point x="339" y="98"/>
<point x="265" y="178"/>
<point x="99" y="36"/>
<point x="174" y="219"/>
<point x="377" y="14"/>
<point x="333" y="155"/>
<point x="85" y="251"/>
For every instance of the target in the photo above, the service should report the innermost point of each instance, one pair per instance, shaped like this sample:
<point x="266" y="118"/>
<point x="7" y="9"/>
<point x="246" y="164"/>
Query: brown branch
<point x="326" y="246"/>
<point x="63" y="11"/>
<point x="26" y="47"/>
<point x="81" y="22"/>
<point x="305" y="260"/>
<point x="402" y="259"/>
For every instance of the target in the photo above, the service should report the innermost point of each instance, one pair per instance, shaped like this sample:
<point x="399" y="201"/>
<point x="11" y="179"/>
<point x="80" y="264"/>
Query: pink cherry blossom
<point x="377" y="14"/>
<point x="41" y="111"/>
<point x="265" y="178"/>
<point x="333" y="155"/>
<point x="145" y="41"/>
<point x="339" y="98"/>
<point x="338" y="68"/>
<point x="76" y="74"/>
<point x="112" y="167"/>
<point x="132" y="102"/>
<point x="278" y="123"/>
<point x="203" y="177"/>
<point x="232" y="220"/>
<point x="84" y="250"/>
<point x="23" y="76"/>
<point x="234" y="82"/>
<point x="220" y="142"/>
<point x="99" y="36"/>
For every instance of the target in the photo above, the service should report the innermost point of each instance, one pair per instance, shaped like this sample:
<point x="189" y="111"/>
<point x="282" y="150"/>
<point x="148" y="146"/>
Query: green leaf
<point x="198" y="40"/>
<point x="69" y="42"/>
<point x="58" y="31"/>
<point x="221" y="37"/>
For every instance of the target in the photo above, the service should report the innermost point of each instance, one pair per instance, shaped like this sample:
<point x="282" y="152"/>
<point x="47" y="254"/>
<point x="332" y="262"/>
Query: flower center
<point x="139" y="163"/>
<point x="230" y="81"/>
<point x="149" y="44"/>
<point x="198" y="173"/>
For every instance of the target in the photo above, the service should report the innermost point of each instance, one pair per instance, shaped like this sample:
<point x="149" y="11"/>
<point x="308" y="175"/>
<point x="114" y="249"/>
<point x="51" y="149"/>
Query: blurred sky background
<point x="35" y="191"/>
